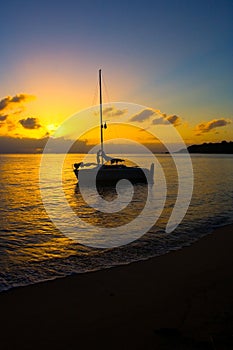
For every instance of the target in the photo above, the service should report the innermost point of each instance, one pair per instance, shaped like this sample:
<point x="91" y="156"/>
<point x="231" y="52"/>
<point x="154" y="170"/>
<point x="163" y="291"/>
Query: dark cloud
<point x="159" y="121"/>
<point x="30" y="123"/>
<point x="114" y="112"/>
<point x="174" y="120"/>
<point x="3" y="118"/>
<point x="4" y="103"/>
<point x="142" y="116"/>
<point x="208" y="126"/>
<point x="162" y="118"/>
<point x="10" y="125"/>
<point x="111" y="112"/>
<point x="22" y="98"/>
<point x="10" y="144"/>
<point x="132" y="149"/>
<point x="9" y="102"/>
<point x="166" y="120"/>
<point x="25" y="145"/>
<point x="19" y="145"/>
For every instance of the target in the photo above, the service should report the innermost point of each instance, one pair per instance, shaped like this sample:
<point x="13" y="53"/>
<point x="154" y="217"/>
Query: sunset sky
<point x="174" y="57"/>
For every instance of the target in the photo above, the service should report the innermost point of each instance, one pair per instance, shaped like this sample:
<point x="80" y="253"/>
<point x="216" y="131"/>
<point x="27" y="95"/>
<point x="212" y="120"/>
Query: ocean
<point x="33" y="249"/>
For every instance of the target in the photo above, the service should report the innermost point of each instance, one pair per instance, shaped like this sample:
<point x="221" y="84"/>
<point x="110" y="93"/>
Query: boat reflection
<point x="130" y="210"/>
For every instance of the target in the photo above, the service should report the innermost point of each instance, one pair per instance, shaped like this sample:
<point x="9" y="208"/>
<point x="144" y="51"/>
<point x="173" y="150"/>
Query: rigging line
<point x="106" y="89"/>
<point x="114" y="132"/>
<point x="94" y="101"/>
<point x="107" y="94"/>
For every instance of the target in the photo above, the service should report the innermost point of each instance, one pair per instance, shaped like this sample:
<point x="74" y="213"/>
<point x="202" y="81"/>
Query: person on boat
<point x="103" y="154"/>
<point x="107" y="158"/>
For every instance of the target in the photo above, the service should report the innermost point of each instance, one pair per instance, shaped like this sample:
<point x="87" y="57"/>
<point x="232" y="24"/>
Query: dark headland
<point x="223" y="147"/>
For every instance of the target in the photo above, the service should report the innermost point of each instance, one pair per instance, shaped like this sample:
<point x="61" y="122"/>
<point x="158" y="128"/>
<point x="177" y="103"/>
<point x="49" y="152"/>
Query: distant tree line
<point x="223" y="147"/>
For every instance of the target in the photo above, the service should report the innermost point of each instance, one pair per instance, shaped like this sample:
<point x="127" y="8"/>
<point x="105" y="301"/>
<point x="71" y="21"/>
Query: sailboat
<point x="110" y="170"/>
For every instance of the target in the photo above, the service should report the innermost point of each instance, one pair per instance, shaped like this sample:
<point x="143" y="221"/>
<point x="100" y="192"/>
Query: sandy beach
<point x="181" y="300"/>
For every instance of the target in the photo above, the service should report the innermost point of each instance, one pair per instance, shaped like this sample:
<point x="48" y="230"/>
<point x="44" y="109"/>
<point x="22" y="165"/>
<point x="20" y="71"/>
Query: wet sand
<point x="181" y="300"/>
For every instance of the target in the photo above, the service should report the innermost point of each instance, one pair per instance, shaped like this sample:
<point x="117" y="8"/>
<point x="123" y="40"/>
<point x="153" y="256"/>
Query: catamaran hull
<point x="110" y="176"/>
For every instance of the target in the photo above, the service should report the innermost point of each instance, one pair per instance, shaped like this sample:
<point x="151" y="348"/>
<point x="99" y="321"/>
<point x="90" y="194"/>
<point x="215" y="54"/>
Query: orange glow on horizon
<point x="119" y="131"/>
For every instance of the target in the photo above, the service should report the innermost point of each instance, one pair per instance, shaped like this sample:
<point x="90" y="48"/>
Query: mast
<point x="101" y="117"/>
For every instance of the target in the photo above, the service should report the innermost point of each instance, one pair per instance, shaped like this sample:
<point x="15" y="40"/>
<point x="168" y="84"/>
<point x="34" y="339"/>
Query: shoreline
<point x="182" y="299"/>
<point x="119" y="264"/>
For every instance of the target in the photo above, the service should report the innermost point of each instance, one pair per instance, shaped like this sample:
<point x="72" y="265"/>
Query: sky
<point x="174" y="57"/>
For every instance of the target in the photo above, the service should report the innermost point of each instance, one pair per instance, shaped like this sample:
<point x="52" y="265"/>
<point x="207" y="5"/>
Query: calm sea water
<point x="32" y="249"/>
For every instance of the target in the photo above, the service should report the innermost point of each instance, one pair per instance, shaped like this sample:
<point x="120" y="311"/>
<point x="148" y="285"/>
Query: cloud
<point x="26" y="145"/>
<point x="10" y="106"/>
<point x="5" y="102"/>
<point x="143" y="115"/>
<point x="9" y="102"/>
<point x="159" y="121"/>
<point x="3" y="120"/>
<point x="162" y="118"/>
<point x="10" y="125"/>
<point x="114" y="112"/>
<point x="22" y="98"/>
<point x="166" y="120"/>
<point x="174" y="120"/>
<point x="30" y="123"/>
<point x="111" y="112"/>
<point x="208" y="126"/>
<point x="3" y="117"/>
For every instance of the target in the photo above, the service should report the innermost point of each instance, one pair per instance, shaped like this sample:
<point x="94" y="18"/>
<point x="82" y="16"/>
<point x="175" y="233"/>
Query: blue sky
<point x="175" y="56"/>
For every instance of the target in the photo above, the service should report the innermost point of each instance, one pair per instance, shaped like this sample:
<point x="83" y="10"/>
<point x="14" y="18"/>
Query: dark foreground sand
<point x="182" y="300"/>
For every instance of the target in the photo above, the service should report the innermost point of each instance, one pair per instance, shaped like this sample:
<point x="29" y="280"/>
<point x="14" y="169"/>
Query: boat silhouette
<point x="108" y="170"/>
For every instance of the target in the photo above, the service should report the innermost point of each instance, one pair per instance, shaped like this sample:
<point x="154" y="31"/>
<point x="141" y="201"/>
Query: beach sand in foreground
<point x="181" y="300"/>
